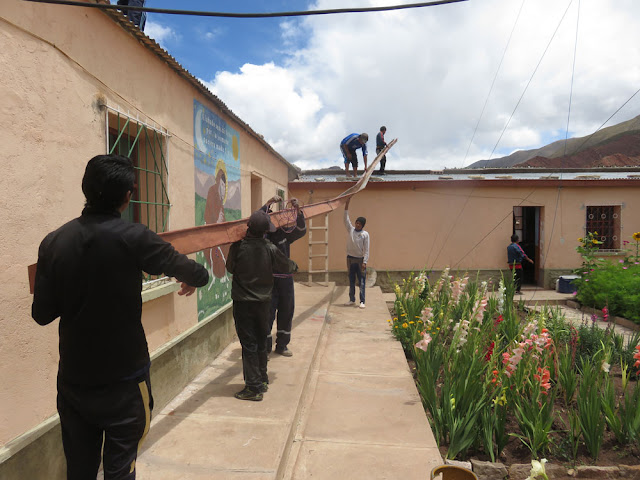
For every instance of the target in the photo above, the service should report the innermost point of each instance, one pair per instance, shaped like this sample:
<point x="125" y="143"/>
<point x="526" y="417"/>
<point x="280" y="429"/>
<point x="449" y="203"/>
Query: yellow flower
<point x="411" y="322"/>
<point x="403" y="315"/>
<point x="389" y="320"/>
<point x="404" y="325"/>
<point x="636" y="236"/>
<point x="396" y="326"/>
<point x="581" y="239"/>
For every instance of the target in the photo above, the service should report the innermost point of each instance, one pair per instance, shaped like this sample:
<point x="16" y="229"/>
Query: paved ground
<point x="344" y="406"/>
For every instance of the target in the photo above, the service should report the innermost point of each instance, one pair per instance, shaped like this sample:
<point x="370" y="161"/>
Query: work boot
<point x="285" y="352"/>
<point x="247" y="393"/>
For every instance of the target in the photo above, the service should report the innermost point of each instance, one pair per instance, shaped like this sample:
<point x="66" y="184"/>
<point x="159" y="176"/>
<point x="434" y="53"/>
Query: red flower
<point x="487" y="357"/>
<point x="498" y="321"/>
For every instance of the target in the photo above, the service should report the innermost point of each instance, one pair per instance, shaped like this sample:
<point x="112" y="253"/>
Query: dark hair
<point x="514" y="238"/>
<point x="106" y="181"/>
<point x="383" y="128"/>
<point x="362" y="220"/>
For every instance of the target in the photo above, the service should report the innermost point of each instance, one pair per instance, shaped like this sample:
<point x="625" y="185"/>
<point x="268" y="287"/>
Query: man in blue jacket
<point x="515" y="256"/>
<point x="348" y="147"/>
<point x="90" y="275"/>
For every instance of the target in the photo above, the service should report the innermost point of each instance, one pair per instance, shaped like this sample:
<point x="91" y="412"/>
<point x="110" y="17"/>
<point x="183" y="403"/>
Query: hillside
<point x="618" y="145"/>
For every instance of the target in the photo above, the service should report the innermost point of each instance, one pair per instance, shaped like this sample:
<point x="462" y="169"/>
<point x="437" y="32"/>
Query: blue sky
<point x="305" y="83"/>
<point x="206" y="44"/>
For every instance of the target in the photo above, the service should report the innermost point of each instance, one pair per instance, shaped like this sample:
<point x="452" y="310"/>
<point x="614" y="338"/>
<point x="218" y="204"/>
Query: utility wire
<point x="531" y="78"/>
<point x="606" y="121"/>
<point x="493" y="82"/>
<point x="199" y="13"/>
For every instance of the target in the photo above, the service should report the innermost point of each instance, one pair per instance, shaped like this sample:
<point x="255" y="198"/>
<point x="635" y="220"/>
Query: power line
<point x="531" y="79"/>
<point x="493" y="82"/>
<point x="199" y="13"/>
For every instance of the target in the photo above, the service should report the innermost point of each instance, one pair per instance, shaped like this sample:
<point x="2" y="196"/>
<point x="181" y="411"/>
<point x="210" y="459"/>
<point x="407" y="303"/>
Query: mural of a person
<point x="216" y="257"/>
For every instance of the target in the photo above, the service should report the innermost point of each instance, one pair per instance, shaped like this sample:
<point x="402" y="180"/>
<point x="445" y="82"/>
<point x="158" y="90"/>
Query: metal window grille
<point x="281" y="203"/>
<point x="606" y="221"/>
<point x="146" y="146"/>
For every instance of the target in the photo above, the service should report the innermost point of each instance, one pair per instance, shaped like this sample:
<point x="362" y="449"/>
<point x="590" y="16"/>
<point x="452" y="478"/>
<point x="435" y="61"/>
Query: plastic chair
<point x="451" y="472"/>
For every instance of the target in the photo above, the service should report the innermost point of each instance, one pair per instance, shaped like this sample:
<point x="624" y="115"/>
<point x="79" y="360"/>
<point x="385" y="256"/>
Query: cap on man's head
<point x="362" y="220"/>
<point x="364" y="137"/>
<point x="259" y="222"/>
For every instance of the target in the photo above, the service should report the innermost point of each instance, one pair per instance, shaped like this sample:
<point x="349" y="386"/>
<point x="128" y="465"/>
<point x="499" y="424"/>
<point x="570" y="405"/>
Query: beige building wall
<point x="464" y="225"/>
<point x="59" y="66"/>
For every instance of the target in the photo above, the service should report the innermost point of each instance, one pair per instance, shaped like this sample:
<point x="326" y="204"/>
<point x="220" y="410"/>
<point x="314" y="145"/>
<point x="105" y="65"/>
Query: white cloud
<point x="160" y="33"/>
<point x="425" y="74"/>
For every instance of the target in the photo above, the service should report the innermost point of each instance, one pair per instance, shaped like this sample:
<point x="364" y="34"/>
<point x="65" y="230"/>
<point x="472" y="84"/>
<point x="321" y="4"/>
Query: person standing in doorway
<point x="348" y="146"/>
<point x="515" y="256"/>
<point x="89" y="274"/>
<point x="380" y="144"/>
<point x="357" y="255"/>
<point x="252" y="262"/>
<point x="282" y="295"/>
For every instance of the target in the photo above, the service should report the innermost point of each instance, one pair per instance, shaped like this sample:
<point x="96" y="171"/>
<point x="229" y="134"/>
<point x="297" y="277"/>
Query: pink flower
<point x="424" y="343"/>
<point x="620" y="261"/>
<point x="636" y="356"/>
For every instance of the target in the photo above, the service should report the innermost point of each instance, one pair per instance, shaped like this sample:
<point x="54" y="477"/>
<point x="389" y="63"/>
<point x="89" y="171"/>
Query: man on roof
<point x="348" y="147"/>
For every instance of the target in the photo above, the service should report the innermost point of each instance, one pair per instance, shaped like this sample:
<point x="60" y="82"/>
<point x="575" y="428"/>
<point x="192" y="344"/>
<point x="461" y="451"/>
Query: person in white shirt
<point x="357" y="255"/>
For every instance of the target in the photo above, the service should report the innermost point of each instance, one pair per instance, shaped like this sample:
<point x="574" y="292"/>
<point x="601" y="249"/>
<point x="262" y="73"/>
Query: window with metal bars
<point x="146" y="146"/>
<point x="605" y="220"/>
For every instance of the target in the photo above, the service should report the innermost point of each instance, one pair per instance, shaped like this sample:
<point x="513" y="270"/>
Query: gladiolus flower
<point x="424" y="343"/>
<point x="537" y="470"/>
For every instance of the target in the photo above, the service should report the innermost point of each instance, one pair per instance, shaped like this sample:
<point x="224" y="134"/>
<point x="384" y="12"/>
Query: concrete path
<point x="344" y="406"/>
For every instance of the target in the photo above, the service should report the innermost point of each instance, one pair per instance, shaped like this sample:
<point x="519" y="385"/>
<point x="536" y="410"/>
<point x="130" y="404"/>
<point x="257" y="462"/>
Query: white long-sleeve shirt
<point x="357" y="242"/>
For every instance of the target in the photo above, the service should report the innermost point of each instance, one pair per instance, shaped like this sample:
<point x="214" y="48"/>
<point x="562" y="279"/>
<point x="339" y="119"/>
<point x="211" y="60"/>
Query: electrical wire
<point x="504" y="53"/>
<point x="531" y="79"/>
<point x="199" y="13"/>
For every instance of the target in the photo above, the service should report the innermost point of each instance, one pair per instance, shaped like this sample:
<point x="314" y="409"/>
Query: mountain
<point x="618" y="145"/>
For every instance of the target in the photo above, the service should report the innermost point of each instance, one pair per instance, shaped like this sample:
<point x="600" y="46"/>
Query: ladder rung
<point x="317" y="228"/>
<point x="318" y="271"/>
<point x="319" y="255"/>
<point x="318" y="243"/>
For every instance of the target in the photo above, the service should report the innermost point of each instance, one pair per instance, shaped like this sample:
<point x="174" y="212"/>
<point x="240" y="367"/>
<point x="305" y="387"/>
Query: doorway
<point x="526" y="224"/>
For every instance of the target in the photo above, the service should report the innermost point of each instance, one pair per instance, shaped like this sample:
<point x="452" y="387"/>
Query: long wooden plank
<point x="195" y="239"/>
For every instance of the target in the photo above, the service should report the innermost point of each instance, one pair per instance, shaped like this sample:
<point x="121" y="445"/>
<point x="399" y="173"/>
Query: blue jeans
<point x="354" y="265"/>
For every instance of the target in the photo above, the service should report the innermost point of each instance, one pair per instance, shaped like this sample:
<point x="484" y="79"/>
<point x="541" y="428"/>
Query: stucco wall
<point x="58" y="65"/>
<point x="436" y="225"/>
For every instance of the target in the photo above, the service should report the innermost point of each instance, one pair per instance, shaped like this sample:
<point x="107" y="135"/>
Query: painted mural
<point x="217" y="187"/>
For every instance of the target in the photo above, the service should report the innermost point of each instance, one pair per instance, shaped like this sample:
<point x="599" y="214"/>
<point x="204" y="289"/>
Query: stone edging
<point x="623" y="322"/>
<point x="520" y="471"/>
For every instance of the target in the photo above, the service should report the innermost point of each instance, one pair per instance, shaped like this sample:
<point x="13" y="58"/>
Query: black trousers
<point x="383" y="160"/>
<point x="282" y="306"/>
<point x="252" y="327"/>
<point x="120" y="412"/>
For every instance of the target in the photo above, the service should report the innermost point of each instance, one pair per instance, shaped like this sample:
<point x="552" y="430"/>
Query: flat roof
<point x="335" y="175"/>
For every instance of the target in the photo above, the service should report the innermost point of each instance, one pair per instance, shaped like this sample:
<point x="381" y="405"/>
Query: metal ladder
<point x="324" y="251"/>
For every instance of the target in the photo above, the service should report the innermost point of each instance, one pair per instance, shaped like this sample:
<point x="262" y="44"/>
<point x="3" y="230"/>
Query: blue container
<point x="566" y="283"/>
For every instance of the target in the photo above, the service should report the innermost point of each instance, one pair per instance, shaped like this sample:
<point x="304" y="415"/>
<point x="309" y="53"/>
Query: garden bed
<point x="502" y="385"/>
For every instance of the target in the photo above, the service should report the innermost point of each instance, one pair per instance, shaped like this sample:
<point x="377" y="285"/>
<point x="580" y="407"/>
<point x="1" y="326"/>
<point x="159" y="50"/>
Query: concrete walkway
<point x="344" y="406"/>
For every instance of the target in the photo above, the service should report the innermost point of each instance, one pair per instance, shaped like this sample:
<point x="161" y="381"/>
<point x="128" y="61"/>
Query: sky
<point x="453" y="83"/>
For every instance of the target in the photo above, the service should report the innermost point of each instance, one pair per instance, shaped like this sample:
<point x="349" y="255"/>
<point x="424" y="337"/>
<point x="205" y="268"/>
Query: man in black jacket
<point x="252" y="262"/>
<point x="283" y="296"/>
<point x="90" y="275"/>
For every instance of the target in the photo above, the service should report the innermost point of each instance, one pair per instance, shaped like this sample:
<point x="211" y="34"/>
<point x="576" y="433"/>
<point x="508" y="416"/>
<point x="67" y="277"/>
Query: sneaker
<point x="249" y="394"/>
<point x="264" y="386"/>
<point x="361" y="304"/>
<point x="285" y="352"/>
<point x="350" y="303"/>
